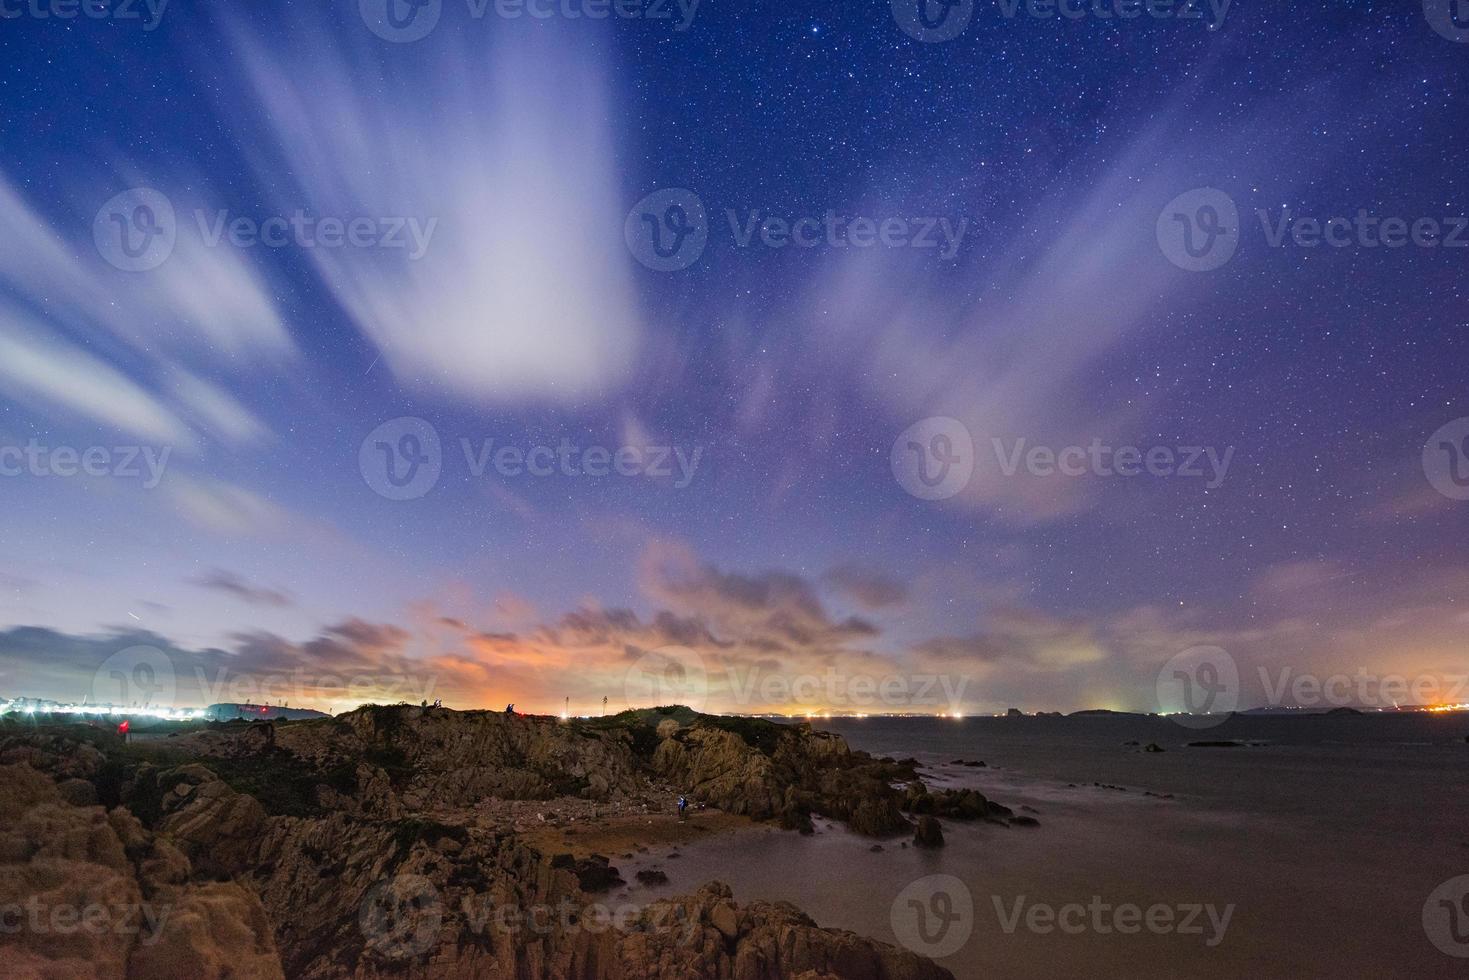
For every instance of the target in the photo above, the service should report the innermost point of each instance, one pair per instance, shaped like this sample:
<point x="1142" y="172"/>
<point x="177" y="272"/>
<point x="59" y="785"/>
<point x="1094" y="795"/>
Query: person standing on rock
<point x="683" y="805"/>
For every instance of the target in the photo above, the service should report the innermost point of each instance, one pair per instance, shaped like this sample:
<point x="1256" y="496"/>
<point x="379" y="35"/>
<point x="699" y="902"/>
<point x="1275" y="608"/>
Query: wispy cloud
<point x="505" y="152"/>
<point x="233" y="584"/>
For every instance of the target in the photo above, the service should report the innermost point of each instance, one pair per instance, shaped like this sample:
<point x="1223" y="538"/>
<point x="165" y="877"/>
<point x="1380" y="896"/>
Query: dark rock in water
<point x="875" y="848"/>
<point x="955" y="804"/>
<point x="976" y="764"/>
<point x="1152" y="747"/>
<point x="1216" y="745"/>
<point x="1028" y="808"/>
<point x="930" y="833"/>
<point x="594" y="874"/>
<point x="1130" y="743"/>
<point x="651" y="876"/>
<point x="1024" y="822"/>
<point x="674" y="854"/>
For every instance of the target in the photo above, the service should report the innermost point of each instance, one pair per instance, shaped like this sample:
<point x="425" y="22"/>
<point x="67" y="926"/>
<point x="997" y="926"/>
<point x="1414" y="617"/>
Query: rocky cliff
<point x="385" y="843"/>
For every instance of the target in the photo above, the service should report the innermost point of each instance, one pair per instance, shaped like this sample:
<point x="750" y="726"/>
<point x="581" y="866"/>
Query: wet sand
<point x="1326" y="852"/>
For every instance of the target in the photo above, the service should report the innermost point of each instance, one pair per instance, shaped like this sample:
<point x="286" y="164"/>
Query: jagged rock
<point x="930" y="833"/>
<point x="77" y="792"/>
<point x="651" y="876"/>
<point x="327" y="835"/>
<point x="97" y="904"/>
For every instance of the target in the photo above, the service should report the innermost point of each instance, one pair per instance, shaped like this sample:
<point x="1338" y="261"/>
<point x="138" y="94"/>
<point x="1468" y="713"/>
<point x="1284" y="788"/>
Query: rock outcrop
<point x="88" y="892"/>
<point x="358" y="847"/>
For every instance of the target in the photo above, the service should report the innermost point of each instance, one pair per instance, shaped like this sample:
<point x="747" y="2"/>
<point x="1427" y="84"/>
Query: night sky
<point x="535" y="316"/>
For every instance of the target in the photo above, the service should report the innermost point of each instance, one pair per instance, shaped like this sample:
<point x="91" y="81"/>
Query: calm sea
<point x="1322" y="847"/>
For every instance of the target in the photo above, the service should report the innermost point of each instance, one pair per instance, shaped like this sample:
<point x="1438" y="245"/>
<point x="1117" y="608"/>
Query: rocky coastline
<point x="404" y="841"/>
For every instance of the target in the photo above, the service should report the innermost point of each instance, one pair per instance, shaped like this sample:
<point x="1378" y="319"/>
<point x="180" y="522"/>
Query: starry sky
<point x="795" y="546"/>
